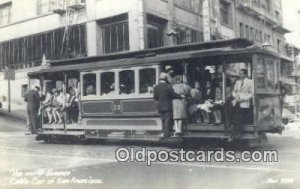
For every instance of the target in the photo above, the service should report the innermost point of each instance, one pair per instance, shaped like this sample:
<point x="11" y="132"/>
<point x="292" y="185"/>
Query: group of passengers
<point x="201" y="104"/>
<point x="175" y="98"/>
<point x="56" y="103"/>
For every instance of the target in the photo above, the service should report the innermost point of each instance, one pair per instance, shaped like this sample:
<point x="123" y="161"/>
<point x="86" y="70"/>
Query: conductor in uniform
<point x="164" y="94"/>
<point x="33" y="104"/>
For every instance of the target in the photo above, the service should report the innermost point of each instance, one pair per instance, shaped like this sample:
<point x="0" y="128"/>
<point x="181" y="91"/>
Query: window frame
<point x="226" y="9"/>
<point x="99" y="84"/>
<point x="5" y="19"/>
<point x="139" y="79"/>
<point x="117" y="71"/>
<point x="242" y="29"/>
<point x="108" y="24"/>
<point x="89" y="97"/>
<point x="43" y="7"/>
<point x="136" y="79"/>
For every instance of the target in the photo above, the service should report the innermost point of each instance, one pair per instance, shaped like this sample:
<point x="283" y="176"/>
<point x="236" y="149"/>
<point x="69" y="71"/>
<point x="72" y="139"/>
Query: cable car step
<point x="61" y="126"/>
<point x="210" y="127"/>
<point x="61" y="132"/>
<point x="246" y="136"/>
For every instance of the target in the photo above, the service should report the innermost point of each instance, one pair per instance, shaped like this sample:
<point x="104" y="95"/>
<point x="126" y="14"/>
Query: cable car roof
<point x="238" y="46"/>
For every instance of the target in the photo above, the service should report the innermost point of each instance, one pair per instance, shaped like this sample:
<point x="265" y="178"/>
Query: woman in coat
<point x="180" y="105"/>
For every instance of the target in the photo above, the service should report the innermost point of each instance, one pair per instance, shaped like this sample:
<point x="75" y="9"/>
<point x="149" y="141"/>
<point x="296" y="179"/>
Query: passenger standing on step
<point x="242" y="94"/>
<point x="180" y="105"/>
<point x="32" y="98"/>
<point x="164" y="94"/>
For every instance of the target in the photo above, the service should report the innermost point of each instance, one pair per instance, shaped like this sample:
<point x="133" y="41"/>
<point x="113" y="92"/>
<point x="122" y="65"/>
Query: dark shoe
<point x="231" y="139"/>
<point x="239" y="136"/>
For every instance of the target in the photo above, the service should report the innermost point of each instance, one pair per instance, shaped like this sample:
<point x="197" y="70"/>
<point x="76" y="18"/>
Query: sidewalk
<point x="14" y="114"/>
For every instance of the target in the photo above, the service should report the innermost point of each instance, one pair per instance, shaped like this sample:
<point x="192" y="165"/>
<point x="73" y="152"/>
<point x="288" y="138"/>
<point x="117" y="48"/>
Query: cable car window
<point x="270" y="74"/>
<point x="107" y="83"/>
<point x="147" y="80"/>
<point x="260" y="75"/>
<point x="126" y="80"/>
<point x="89" y="84"/>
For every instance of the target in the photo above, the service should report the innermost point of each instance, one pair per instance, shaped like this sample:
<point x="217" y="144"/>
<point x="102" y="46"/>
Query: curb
<point x="12" y="115"/>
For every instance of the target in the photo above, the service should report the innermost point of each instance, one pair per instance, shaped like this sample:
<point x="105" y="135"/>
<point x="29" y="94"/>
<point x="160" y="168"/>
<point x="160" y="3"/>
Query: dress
<point x="196" y="95"/>
<point x="218" y="103"/>
<point x="196" y="98"/>
<point x="180" y="105"/>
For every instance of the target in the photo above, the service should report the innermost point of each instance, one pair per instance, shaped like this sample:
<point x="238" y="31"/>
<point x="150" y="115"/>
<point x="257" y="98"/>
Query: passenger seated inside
<point x="47" y="106"/>
<point x="196" y="98"/>
<point x="107" y="88"/>
<point x="90" y="90"/>
<point x="72" y="110"/>
<point x="208" y="97"/>
<point x="89" y="84"/>
<point x="146" y="88"/>
<point x="126" y="81"/>
<point x="147" y="80"/>
<point x="59" y="105"/>
<point x="125" y="89"/>
<point x="217" y="106"/>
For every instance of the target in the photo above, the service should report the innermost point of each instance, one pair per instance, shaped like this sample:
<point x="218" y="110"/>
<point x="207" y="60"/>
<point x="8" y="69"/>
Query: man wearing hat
<point x="164" y="94"/>
<point x="169" y="71"/>
<point x="33" y="104"/>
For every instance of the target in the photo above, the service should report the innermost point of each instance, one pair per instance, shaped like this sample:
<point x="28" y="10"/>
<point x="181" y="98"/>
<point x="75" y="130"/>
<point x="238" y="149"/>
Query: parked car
<point x="293" y="124"/>
<point x="287" y="115"/>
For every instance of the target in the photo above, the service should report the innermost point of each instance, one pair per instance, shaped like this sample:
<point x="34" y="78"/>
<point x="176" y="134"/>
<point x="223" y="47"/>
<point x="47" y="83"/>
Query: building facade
<point x="33" y="30"/>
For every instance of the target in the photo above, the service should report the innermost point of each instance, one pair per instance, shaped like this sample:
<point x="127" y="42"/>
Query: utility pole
<point x="9" y="74"/>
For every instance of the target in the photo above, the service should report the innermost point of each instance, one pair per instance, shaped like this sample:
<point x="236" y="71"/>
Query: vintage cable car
<point x="115" y="92"/>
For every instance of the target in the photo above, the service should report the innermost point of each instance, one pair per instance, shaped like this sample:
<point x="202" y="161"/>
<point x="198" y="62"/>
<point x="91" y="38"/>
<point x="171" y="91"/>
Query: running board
<point x="245" y="136"/>
<point x="146" y="136"/>
<point x="61" y="132"/>
<point x="210" y="127"/>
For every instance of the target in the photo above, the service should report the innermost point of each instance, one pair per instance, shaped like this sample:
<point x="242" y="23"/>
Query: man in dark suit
<point x="33" y="104"/>
<point x="164" y="94"/>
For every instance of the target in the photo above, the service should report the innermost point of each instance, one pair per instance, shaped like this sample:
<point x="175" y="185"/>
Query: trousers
<point x="32" y="120"/>
<point x="167" y="120"/>
<point x="241" y="117"/>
